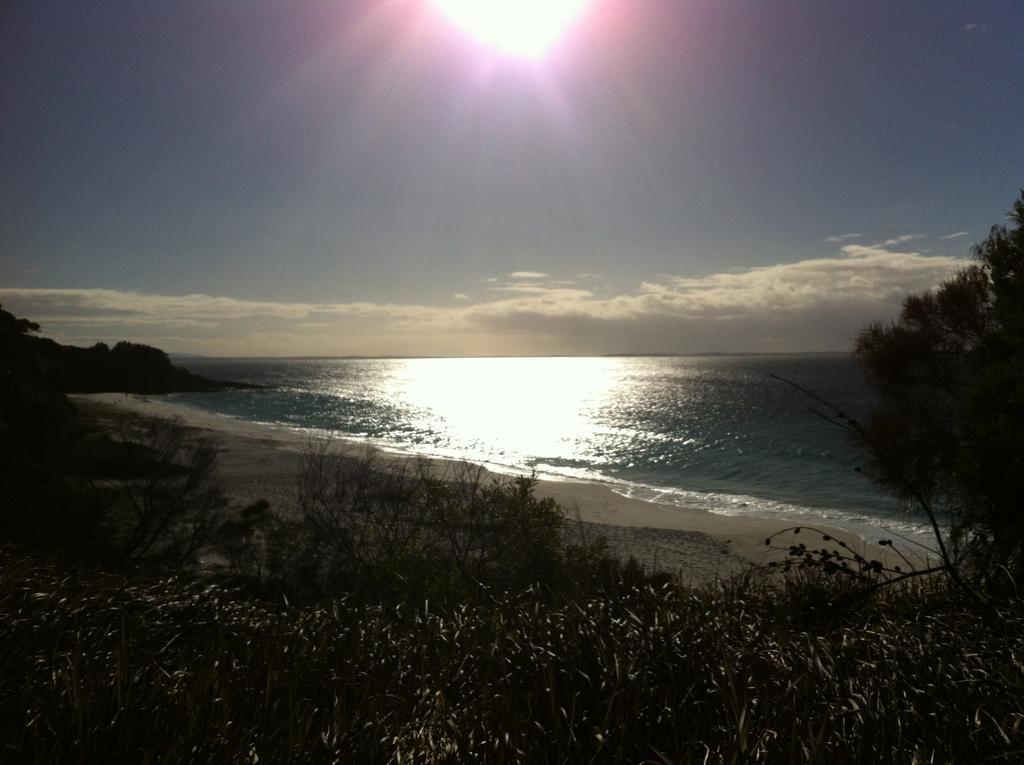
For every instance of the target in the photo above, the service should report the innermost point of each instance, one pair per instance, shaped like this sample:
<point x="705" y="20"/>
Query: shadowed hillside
<point x="127" y="367"/>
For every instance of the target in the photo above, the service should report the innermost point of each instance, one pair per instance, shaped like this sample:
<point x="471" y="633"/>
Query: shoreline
<point x="260" y="461"/>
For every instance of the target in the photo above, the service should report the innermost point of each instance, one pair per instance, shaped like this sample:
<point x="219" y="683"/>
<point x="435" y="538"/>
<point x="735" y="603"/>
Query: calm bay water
<point x="713" y="432"/>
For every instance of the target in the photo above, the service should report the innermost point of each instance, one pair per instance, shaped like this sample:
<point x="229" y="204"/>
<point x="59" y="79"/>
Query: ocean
<point x="716" y="433"/>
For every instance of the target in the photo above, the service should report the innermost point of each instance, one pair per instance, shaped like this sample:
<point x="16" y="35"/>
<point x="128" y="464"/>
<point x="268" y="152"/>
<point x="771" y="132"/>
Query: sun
<point x="526" y="28"/>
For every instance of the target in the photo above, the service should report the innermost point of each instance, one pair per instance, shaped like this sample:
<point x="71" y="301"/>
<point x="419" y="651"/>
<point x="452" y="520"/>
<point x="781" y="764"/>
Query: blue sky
<point x="279" y="177"/>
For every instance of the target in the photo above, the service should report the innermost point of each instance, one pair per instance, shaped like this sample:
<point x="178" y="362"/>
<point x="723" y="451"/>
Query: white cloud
<point x="538" y="289"/>
<point x="902" y="239"/>
<point x="838" y="238"/>
<point x="975" y="27"/>
<point x="862" y="275"/>
<point x="956" y="235"/>
<point x="813" y="304"/>
<point x="528" y="275"/>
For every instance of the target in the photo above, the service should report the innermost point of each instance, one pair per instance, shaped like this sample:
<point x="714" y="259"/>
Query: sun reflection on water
<point x="507" y="409"/>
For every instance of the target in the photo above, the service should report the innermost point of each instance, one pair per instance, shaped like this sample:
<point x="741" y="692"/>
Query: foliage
<point x="27" y="400"/>
<point x="838" y="557"/>
<point x="37" y="425"/>
<point x="406" y="531"/>
<point x="947" y="433"/>
<point x="32" y="412"/>
<point x="839" y="574"/>
<point x="161" y="506"/>
<point x="145" y="498"/>
<point x="127" y="367"/>
<point x="99" y="669"/>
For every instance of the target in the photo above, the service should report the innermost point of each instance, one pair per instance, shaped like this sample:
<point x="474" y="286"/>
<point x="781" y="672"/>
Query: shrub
<point x="405" y="530"/>
<point x="163" y="514"/>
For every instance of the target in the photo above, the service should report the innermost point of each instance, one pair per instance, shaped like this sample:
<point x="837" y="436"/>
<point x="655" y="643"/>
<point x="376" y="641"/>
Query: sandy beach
<point x="261" y="461"/>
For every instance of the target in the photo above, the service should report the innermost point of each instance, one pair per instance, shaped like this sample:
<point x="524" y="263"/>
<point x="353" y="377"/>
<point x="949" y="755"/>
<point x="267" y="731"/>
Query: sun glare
<point x="525" y="28"/>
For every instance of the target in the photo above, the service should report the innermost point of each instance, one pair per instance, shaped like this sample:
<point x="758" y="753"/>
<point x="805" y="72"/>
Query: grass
<point x="101" y="668"/>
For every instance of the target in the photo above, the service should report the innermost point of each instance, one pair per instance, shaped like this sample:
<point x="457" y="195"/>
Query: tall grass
<point x="97" y="668"/>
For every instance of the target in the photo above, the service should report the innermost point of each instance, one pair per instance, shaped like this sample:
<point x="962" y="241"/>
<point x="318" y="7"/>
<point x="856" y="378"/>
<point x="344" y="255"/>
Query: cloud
<point x="863" y="275"/>
<point x="813" y="304"/>
<point x="956" y="235"/>
<point x="528" y="275"/>
<point x="902" y="239"/>
<point x="841" y="238"/>
<point x="143" y="307"/>
<point x="974" y="28"/>
<point x="538" y="289"/>
<point x="529" y="282"/>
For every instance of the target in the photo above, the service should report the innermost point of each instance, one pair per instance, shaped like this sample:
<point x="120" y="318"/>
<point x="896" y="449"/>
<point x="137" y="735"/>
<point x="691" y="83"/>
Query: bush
<point x="164" y="506"/>
<point x="406" y="531"/>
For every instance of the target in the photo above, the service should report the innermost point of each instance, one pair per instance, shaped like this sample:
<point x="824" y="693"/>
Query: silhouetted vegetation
<point x="947" y="434"/>
<point x="406" y="532"/>
<point x="36" y="425"/>
<point x="125" y="368"/>
<point x="145" y="495"/>
<point x="101" y="668"/>
<point x="161" y="508"/>
<point x="145" y="498"/>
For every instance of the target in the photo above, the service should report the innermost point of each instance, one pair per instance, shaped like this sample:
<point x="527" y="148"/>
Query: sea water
<point x="717" y="433"/>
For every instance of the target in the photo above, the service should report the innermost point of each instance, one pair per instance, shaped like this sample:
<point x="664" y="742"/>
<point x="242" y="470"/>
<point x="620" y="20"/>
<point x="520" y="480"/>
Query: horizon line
<point x="398" y="357"/>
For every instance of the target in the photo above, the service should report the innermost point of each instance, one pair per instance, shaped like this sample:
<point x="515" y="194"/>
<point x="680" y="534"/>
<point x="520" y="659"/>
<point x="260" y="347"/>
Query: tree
<point x="947" y="432"/>
<point x="37" y="428"/>
<point x="34" y="416"/>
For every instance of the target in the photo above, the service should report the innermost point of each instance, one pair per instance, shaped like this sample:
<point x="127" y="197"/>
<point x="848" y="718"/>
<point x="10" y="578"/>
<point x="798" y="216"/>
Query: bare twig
<point x="850" y="424"/>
